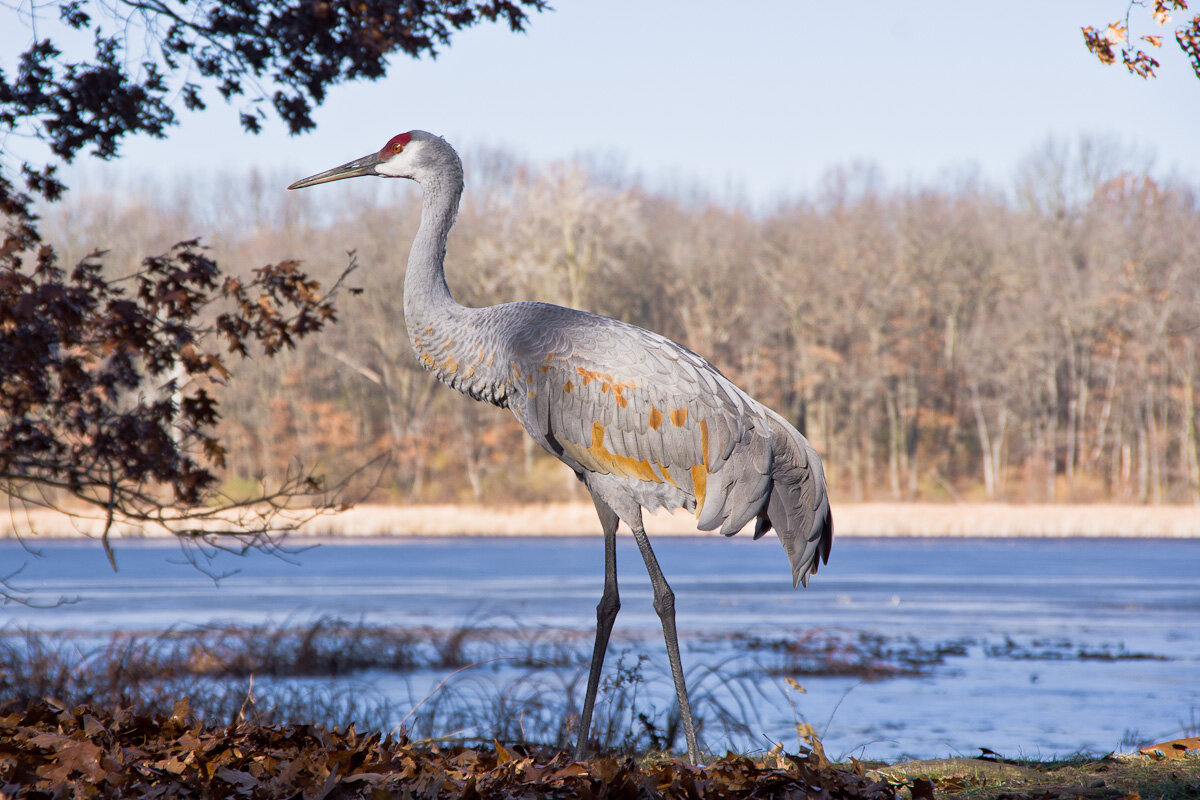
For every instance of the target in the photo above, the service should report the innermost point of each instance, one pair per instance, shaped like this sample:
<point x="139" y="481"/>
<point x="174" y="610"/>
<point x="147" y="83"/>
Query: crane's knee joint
<point x="608" y="607"/>
<point x="664" y="603"/>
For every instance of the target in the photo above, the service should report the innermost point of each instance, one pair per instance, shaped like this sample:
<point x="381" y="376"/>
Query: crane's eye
<point x="395" y="145"/>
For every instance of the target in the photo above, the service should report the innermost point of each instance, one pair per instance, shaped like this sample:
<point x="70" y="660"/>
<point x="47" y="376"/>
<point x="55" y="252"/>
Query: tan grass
<point x="572" y="519"/>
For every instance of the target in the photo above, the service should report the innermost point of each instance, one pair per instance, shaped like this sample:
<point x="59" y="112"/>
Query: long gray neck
<point x="452" y="341"/>
<point x="426" y="295"/>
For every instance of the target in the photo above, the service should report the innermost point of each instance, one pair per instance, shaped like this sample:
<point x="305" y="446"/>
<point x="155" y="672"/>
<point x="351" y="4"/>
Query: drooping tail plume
<point x="798" y="506"/>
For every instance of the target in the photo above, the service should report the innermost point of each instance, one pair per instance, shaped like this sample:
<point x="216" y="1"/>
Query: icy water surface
<point x="1052" y="645"/>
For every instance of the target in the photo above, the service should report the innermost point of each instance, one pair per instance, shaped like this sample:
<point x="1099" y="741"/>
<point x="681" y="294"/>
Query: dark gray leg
<point x="606" y="613"/>
<point x="664" y="604"/>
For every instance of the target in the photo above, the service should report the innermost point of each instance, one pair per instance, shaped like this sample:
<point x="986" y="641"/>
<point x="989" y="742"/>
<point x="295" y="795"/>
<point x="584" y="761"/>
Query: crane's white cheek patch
<point x="401" y="164"/>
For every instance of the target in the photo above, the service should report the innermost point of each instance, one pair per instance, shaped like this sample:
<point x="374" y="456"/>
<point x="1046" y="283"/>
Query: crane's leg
<point x="664" y="604"/>
<point x="606" y="613"/>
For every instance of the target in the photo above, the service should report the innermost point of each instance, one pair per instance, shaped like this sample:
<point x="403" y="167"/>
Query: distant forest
<point x="954" y="341"/>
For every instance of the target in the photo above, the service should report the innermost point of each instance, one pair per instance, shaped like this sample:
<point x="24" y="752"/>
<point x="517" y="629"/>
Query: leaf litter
<point x="50" y="750"/>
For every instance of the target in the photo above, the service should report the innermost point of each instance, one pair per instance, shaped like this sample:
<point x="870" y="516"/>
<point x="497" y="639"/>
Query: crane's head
<point x="414" y="155"/>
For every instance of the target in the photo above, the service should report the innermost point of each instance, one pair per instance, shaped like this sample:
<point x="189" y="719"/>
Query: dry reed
<point x="575" y="519"/>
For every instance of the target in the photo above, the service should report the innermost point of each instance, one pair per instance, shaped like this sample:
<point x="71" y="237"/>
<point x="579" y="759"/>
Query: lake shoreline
<point x="1049" y="645"/>
<point x="886" y="520"/>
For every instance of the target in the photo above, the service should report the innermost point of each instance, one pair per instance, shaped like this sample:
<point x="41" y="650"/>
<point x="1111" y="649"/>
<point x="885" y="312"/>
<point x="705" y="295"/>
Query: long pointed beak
<point x="351" y="169"/>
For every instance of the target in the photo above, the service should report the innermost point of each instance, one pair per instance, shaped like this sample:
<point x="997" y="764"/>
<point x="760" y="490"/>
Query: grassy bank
<point x="579" y="519"/>
<point x="1132" y="776"/>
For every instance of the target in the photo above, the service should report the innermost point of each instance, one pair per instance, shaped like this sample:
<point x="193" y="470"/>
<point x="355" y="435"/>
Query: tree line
<point x="944" y="342"/>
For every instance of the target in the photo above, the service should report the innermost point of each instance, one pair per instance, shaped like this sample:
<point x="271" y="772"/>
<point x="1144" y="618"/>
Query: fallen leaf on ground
<point x="1172" y="749"/>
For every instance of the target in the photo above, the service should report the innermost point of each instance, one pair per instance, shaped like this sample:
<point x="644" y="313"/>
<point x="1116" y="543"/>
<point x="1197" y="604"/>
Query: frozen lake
<point x="1044" y="630"/>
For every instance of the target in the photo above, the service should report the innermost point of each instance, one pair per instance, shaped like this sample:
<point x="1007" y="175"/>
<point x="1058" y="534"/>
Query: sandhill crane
<point x="643" y="421"/>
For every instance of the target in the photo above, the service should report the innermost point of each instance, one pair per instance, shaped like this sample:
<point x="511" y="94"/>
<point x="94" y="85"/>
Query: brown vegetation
<point x="946" y="343"/>
<point x="50" y="750"/>
<point x="578" y="518"/>
<point x="518" y="685"/>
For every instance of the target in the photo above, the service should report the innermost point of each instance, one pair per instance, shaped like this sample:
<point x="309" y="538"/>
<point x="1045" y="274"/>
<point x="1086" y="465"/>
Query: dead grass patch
<point x="579" y="519"/>
<point x="1112" y="777"/>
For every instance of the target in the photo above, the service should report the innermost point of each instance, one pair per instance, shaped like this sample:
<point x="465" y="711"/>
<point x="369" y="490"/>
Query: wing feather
<point x="623" y="401"/>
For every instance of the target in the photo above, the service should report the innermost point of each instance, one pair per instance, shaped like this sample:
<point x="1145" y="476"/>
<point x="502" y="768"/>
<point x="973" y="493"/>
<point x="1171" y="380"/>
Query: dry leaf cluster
<point x="1105" y="44"/>
<point x="50" y="750"/>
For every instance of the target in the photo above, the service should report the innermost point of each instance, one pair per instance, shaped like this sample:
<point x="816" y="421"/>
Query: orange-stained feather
<point x="617" y="463"/>
<point x="699" y="485"/>
<point x="607" y="384"/>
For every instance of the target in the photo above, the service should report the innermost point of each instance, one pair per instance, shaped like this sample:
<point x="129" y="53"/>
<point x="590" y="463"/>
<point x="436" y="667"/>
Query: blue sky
<point x="753" y="99"/>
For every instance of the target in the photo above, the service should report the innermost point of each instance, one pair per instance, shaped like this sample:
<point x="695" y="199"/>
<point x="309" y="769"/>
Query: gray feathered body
<point x="642" y="420"/>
